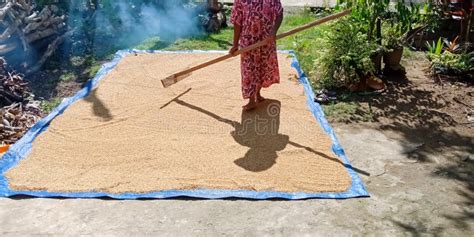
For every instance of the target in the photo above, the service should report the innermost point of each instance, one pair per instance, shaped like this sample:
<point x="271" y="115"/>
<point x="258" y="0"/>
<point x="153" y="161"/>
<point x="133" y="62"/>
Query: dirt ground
<point x="433" y="113"/>
<point x="415" y="156"/>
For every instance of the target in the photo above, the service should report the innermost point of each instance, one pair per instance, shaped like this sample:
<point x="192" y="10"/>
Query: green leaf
<point x="439" y="47"/>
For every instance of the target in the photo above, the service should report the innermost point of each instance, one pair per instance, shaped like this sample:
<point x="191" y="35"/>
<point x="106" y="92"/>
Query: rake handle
<point x="175" y="77"/>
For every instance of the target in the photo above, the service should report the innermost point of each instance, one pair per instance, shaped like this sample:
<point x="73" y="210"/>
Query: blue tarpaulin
<point x="21" y="149"/>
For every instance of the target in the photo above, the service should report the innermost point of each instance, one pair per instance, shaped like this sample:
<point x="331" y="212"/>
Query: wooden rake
<point x="175" y="78"/>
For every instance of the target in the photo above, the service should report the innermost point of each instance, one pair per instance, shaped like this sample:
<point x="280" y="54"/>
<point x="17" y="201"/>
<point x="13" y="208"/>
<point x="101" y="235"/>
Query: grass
<point x="219" y="41"/>
<point x="312" y="35"/>
<point x="348" y="110"/>
<point x="68" y="76"/>
<point x="94" y="69"/>
<point x="48" y="105"/>
<point x="223" y="40"/>
<point x="342" y="110"/>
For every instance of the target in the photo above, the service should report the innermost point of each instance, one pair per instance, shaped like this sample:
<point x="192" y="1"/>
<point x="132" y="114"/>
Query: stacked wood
<point x="18" y="114"/>
<point x="12" y="86"/>
<point x="23" y="31"/>
<point x="215" y="18"/>
<point x="16" y="120"/>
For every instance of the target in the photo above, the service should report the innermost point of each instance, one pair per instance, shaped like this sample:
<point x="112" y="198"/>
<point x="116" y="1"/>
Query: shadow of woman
<point x="259" y="131"/>
<point x="98" y="107"/>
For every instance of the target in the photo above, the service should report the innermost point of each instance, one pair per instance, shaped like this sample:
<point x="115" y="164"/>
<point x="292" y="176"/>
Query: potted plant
<point x="393" y="46"/>
<point x="347" y="62"/>
<point x="376" y="57"/>
<point x="452" y="59"/>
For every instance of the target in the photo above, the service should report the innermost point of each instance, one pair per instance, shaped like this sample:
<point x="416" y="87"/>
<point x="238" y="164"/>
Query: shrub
<point x="392" y="37"/>
<point x="453" y="64"/>
<point x="450" y="58"/>
<point x="346" y="59"/>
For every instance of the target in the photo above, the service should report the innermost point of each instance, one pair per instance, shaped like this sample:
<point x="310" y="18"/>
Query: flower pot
<point x="415" y="37"/>
<point x="377" y="61"/>
<point x="375" y="83"/>
<point x="393" y="58"/>
<point x="418" y="41"/>
<point x="358" y="87"/>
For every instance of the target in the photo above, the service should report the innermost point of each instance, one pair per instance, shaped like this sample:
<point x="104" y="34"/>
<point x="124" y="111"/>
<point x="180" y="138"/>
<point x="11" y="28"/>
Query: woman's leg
<point x="254" y="100"/>
<point x="252" y="104"/>
<point x="252" y="97"/>
<point x="259" y="97"/>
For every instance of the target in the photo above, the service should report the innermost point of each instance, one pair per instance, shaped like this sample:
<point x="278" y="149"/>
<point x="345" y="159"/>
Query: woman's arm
<point x="277" y="25"/>
<point x="235" y="45"/>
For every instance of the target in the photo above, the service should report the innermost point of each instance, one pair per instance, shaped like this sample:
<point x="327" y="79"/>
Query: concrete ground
<point x="409" y="197"/>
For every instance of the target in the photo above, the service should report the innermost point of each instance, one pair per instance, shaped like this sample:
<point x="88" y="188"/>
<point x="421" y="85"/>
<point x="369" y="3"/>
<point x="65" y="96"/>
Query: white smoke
<point x="123" y="24"/>
<point x="169" y="20"/>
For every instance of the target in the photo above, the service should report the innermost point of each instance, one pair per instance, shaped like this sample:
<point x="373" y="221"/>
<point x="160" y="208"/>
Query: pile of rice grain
<point x="126" y="136"/>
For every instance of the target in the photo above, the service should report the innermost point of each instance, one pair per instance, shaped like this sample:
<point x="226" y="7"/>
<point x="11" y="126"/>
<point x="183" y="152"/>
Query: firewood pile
<point x="13" y="88"/>
<point x="16" y="120"/>
<point x="18" y="114"/>
<point x="26" y="31"/>
<point x="214" y="18"/>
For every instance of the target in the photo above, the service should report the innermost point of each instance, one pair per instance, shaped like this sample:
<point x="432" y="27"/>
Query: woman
<point x="254" y="21"/>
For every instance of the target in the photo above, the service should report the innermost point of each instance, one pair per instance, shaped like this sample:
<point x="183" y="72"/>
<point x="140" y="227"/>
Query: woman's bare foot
<point x="251" y="105"/>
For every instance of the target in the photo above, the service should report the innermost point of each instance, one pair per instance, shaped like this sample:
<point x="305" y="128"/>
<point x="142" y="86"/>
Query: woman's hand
<point x="235" y="45"/>
<point x="273" y="35"/>
<point x="233" y="49"/>
<point x="271" y="39"/>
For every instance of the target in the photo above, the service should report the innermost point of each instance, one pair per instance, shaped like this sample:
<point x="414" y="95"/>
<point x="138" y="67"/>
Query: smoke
<point x="168" y="20"/>
<point x="126" y="23"/>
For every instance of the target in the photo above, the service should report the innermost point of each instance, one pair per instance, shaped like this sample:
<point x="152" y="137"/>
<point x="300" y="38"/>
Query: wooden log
<point x="5" y="9"/>
<point x="53" y="22"/>
<point x="8" y="32"/>
<point x="11" y="97"/>
<point x="21" y="28"/>
<point x="33" y="17"/>
<point x="26" y="6"/>
<point x="38" y="35"/>
<point x="7" y="48"/>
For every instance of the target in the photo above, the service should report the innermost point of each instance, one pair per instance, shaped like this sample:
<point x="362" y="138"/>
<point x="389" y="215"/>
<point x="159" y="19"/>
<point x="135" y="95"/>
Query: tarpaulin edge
<point x="21" y="149"/>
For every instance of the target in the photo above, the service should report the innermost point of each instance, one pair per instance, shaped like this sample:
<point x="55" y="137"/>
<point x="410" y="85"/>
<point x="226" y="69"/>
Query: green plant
<point x="367" y="13"/>
<point x="433" y="15"/>
<point x="308" y="45"/>
<point x="407" y="16"/>
<point x="452" y="46"/>
<point x="434" y="49"/>
<point x="69" y="76"/>
<point x="392" y="38"/>
<point x="453" y="64"/>
<point x="450" y="58"/>
<point x="346" y="59"/>
<point x="48" y="106"/>
<point x="93" y="70"/>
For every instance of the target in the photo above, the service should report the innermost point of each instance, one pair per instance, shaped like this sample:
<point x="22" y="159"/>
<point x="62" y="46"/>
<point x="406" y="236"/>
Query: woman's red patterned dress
<point x="260" y="66"/>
